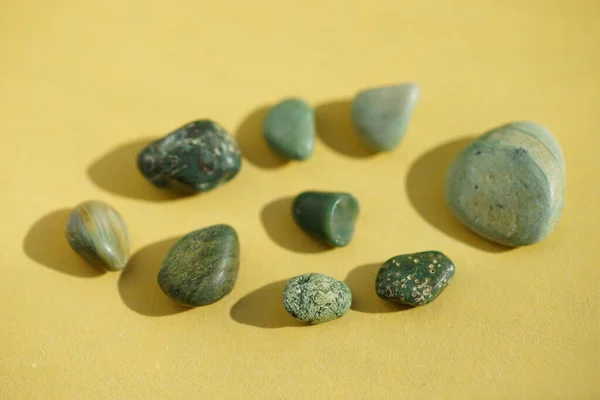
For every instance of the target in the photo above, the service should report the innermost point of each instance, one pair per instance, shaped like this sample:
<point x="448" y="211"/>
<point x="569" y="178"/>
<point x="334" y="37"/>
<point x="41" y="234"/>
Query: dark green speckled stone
<point x="316" y="298"/>
<point x="202" y="267"/>
<point x="195" y="158"/>
<point x="326" y="216"/>
<point x="414" y="279"/>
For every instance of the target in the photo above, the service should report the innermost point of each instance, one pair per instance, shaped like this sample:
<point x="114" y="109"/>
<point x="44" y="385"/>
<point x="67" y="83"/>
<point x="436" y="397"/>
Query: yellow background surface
<point x="84" y="85"/>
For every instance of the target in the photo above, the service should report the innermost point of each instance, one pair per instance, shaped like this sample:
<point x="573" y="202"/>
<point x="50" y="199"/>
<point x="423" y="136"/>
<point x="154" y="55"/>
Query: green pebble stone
<point x="98" y="233"/>
<point x="316" y="298"/>
<point x="194" y="158"/>
<point x="202" y="266"/>
<point x="414" y="279"/>
<point x="509" y="184"/>
<point x="381" y="115"/>
<point x="327" y="216"/>
<point x="289" y="129"/>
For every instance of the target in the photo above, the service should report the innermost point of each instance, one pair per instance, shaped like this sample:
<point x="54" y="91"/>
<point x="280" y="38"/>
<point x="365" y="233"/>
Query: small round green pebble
<point x="316" y="298"/>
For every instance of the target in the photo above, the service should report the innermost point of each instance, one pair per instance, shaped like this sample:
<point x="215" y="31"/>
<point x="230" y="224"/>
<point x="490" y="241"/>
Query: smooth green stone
<point x="381" y="115"/>
<point x="326" y="216"/>
<point x="414" y="279"/>
<point x="509" y="185"/>
<point x="289" y="129"/>
<point x="98" y="233"/>
<point x="316" y="298"/>
<point x="202" y="266"/>
<point x="195" y="158"/>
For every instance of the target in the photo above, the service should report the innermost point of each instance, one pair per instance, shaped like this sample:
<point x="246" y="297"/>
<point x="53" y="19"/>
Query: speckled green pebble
<point x="509" y="185"/>
<point x="329" y="217"/>
<point x="98" y="233"/>
<point x="289" y="129"/>
<point x="414" y="279"/>
<point x="195" y="158"/>
<point x="381" y="115"/>
<point x="202" y="267"/>
<point x="316" y="298"/>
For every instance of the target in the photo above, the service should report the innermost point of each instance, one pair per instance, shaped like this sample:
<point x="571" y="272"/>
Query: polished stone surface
<point x="316" y="298"/>
<point x="414" y="279"/>
<point x="329" y="217"/>
<point x="202" y="267"/>
<point x="289" y="129"/>
<point x="381" y="115"/>
<point x="195" y="158"/>
<point x="98" y="233"/>
<point x="509" y="184"/>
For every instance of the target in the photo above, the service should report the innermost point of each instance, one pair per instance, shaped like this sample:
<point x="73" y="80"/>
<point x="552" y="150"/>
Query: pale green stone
<point x="316" y="298"/>
<point x="509" y="185"/>
<point x="381" y="115"/>
<point x="289" y="129"/>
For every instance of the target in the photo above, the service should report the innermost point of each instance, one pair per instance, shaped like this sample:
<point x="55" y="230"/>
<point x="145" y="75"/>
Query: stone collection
<point x="507" y="186"/>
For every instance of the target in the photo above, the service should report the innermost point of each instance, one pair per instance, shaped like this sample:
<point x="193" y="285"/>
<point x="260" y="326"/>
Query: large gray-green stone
<point x="202" y="267"/>
<point x="289" y="129"/>
<point x="414" y="279"/>
<point x="316" y="298"/>
<point x="98" y="233"/>
<point x="509" y="185"/>
<point x="381" y="115"/>
<point x="329" y="217"/>
<point x="194" y="158"/>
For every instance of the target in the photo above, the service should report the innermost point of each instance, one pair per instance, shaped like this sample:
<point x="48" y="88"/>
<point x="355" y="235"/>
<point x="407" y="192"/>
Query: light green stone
<point x="316" y="298"/>
<point x="509" y="185"/>
<point x="381" y="115"/>
<point x="289" y="129"/>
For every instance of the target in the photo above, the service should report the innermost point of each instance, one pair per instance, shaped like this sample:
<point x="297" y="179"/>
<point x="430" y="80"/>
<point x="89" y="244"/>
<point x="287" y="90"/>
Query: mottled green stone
<point x="414" y="279"/>
<point x="316" y="298"/>
<point x="202" y="266"/>
<point x="195" y="158"/>
<point x="327" y="216"/>
<point x="98" y="233"/>
<point x="289" y="129"/>
<point x="509" y="185"/>
<point x="381" y="115"/>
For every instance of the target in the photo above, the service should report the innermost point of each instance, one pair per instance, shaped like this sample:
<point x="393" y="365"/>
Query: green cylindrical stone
<point x="329" y="217"/>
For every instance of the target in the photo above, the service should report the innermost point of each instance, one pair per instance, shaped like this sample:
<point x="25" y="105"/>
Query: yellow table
<point x="84" y="85"/>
